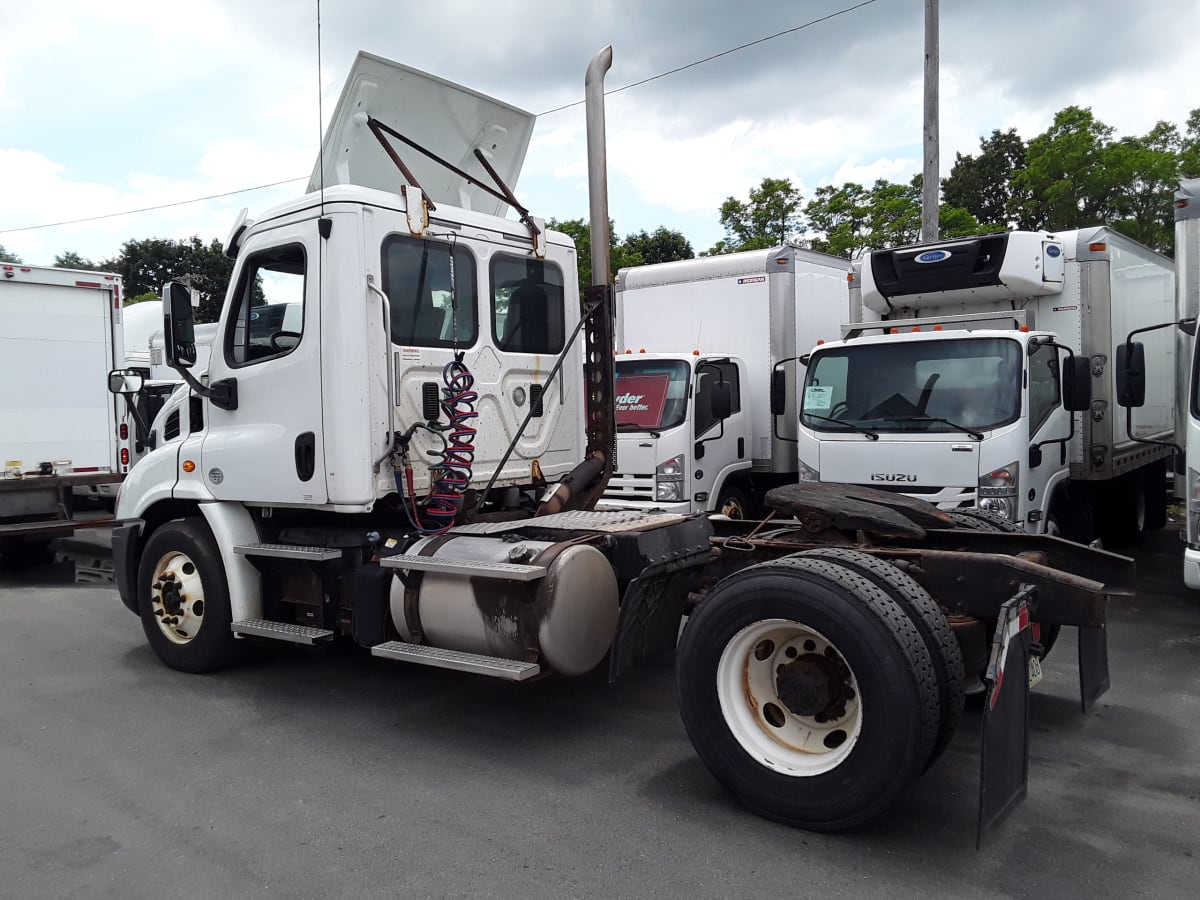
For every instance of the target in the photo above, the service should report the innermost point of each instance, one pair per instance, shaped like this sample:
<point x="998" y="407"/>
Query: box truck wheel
<point x="732" y="503"/>
<point x="808" y="692"/>
<point x="184" y="598"/>
<point x="931" y="622"/>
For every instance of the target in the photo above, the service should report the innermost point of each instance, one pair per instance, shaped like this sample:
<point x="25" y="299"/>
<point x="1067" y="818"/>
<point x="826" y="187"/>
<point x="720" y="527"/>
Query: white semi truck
<point x="414" y="469"/>
<point x="60" y="334"/>
<point x="981" y="375"/>
<point x="703" y="341"/>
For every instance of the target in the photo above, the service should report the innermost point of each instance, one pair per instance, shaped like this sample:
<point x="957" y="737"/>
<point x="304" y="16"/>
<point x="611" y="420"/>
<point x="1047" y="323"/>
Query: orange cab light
<point x="1023" y="328"/>
<point x="643" y="350"/>
<point x="627" y="350"/>
<point x="1098" y="247"/>
<point x="189" y="466"/>
<point x="937" y="327"/>
<point x="695" y="353"/>
<point x="916" y="328"/>
<point x="894" y="331"/>
<point x="1180" y="204"/>
<point x="820" y="341"/>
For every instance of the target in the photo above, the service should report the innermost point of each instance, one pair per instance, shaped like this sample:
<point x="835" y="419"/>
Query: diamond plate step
<point x="508" y="669"/>
<point x="477" y="568"/>
<point x="281" y="631"/>
<point x="289" y="551"/>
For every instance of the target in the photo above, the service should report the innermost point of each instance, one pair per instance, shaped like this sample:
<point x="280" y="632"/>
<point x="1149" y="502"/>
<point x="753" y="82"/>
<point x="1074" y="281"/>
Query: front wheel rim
<point x="789" y="698"/>
<point x="177" y="597"/>
<point x="732" y="507"/>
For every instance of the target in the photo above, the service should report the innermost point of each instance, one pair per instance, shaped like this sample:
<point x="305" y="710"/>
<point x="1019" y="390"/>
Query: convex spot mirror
<point x="125" y="381"/>
<point x="1077" y="383"/>
<point x="178" y="326"/>
<point x="1131" y="374"/>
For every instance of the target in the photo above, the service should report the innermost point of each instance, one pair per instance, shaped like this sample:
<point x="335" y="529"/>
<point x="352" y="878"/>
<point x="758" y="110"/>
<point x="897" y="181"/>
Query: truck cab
<point x="683" y="438"/>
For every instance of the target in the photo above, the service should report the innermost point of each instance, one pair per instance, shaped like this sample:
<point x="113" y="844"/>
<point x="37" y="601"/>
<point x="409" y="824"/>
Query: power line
<point x="130" y="212"/>
<point x="617" y="90"/>
<point x="700" y="62"/>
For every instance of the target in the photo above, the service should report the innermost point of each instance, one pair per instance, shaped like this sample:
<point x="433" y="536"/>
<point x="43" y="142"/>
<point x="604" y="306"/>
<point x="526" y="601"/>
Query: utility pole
<point x="930" y="182"/>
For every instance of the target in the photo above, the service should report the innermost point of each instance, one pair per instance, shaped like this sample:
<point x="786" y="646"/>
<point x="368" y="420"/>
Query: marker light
<point x="189" y="466"/>
<point x="1098" y="247"/>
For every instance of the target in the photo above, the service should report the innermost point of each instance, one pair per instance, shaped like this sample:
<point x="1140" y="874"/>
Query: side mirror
<point x="1077" y="383"/>
<point x="722" y="400"/>
<point x="178" y="328"/>
<point x="778" y="392"/>
<point x="1131" y="374"/>
<point x="125" y="381"/>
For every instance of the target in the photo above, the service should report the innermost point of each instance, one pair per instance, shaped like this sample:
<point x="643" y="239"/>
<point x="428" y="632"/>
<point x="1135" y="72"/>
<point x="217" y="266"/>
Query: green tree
<point x="839" y="217"/>
<point x="982" y="185"/>
<point x="1189" y="151"/>
<point x="1146" y="171"/>
<point x="577" y="229"/>
<point x="849" y="220"/>
<point x="1068" y="180"/>
<point x="72" y="260"/>
<point x="6" y="256"/>
<point x="146" y="265"/>
<point x="142" y="298"/>
<point x="664" y="245"/>
<point x="771" y="217"/>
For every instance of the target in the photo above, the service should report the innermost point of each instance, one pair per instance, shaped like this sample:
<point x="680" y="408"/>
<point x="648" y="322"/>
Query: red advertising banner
<point x="640" y="399"/>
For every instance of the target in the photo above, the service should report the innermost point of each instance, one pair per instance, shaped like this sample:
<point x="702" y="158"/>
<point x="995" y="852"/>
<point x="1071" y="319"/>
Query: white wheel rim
<point x="764" y="726"/>
<point x="177" y="597"/>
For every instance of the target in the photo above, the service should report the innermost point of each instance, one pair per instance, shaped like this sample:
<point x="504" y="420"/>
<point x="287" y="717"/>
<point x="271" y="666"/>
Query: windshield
<point x="929" y="386"/>
<point x="651" y="394"/>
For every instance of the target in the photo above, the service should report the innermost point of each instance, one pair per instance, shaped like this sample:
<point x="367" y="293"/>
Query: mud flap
<point x="1093" y="666"/>
<point x="1004" y="766"/>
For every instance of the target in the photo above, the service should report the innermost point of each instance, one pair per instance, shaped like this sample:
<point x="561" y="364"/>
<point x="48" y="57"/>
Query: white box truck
<point x="964" y="389"/>
<point x="60" y="334"/>
<point x="702" y="340"/>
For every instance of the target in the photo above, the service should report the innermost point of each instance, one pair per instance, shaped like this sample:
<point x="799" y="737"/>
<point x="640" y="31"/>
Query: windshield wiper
<point x="634" y="426"/>
<point x="871" y="435"/>
<point x="978" y="435"/>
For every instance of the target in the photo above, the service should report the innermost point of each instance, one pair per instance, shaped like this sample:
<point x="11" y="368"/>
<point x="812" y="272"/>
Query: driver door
<point x="1047" y="421"/>
<point x="269" y="449"/>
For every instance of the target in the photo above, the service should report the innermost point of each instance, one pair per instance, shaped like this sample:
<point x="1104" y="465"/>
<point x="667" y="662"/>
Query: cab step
<point x="473" y="567"/>
<point x="289" y="551"/>
<point x="494" y="666"/>
<point x="281" y="631"/>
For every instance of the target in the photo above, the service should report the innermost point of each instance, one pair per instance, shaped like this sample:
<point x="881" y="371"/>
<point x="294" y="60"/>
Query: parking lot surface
<point x="303" y="773"/>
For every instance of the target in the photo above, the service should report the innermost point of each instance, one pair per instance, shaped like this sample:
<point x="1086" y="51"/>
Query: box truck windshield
<point x="651" y="394"/>
<point x="928" y="386"/>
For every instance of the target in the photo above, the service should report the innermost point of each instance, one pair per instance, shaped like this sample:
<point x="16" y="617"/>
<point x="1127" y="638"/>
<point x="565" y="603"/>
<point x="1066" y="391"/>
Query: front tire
<point x="808" y="693"/>
<point x="732" y="503"/>
<point x="183" y="598"/>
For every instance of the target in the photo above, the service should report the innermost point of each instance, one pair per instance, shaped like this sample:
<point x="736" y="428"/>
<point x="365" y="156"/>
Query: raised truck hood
<point x="445" y="118"/>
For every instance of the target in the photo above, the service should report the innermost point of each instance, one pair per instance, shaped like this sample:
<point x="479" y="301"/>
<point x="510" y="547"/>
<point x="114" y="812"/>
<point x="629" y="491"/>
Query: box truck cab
<point x="710" y="348"/>
<point x="962" y="380"/>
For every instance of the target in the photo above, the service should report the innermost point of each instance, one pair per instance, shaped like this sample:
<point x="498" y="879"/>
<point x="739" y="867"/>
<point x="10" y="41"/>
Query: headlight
<point x="808" y="473"/>
<point x="668" y="479"/>
<point x="998" y="491"/>
<point x="1192" y="499"/>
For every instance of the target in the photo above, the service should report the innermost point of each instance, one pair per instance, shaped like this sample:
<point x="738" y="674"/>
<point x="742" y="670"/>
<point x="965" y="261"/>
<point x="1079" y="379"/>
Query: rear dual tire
<point x="809" y="692"/>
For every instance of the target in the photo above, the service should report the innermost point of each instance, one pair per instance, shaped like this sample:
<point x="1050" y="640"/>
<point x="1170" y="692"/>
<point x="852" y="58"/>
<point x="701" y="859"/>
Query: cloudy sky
<point x="106" y="107"/>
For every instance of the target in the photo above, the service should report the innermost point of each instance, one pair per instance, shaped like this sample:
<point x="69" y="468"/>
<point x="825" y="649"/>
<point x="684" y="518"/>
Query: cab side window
<point x="708" y="374"/>
<point x="1045" y="390"/>
<point x="432" y="301"/>
<point x="268" y="317"/>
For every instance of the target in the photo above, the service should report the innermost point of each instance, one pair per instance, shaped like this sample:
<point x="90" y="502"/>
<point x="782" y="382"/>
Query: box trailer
<point x="60" y="334"/>
<point x="703" y="341"/>
<point x="981" y="373"/>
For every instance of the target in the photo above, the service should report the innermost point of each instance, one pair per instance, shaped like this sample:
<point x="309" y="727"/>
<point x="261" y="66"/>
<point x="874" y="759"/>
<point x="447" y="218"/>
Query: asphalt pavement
<point x="303" y="773"/>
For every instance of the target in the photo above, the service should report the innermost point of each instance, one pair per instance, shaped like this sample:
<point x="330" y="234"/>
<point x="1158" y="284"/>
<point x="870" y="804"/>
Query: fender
<point x="232" y="525"/>
<point x="719" y="482"/>
<point x="1057" y="483"/>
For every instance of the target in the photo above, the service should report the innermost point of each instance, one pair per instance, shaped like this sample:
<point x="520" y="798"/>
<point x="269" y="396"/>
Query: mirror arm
<point x="223" y="394"/>
<point x="1062" y="442"/>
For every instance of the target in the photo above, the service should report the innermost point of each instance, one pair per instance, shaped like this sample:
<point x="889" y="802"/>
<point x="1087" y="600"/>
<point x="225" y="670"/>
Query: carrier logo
<point x="933" y="256"/>
<point x="1052" y="251"/>
<point x="892" y="476"/>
